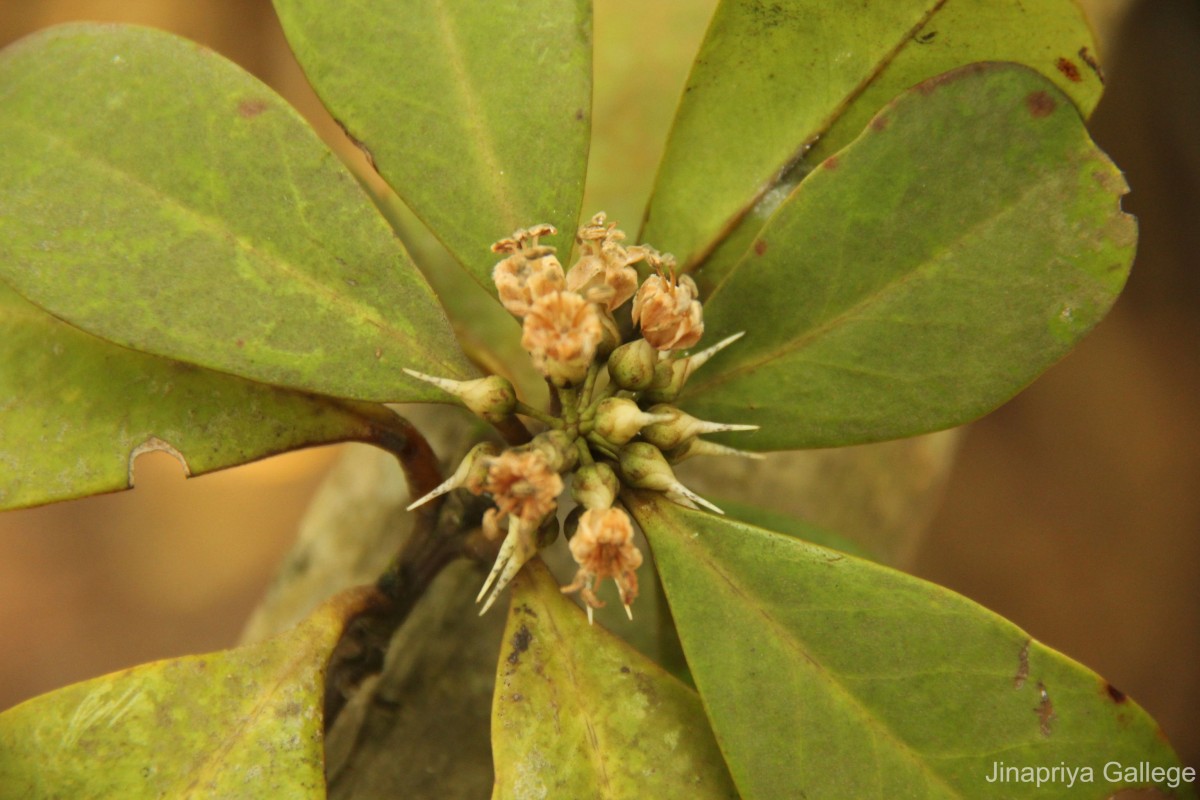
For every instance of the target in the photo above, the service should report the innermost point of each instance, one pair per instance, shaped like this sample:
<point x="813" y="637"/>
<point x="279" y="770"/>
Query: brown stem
<point x="439" y="533"/>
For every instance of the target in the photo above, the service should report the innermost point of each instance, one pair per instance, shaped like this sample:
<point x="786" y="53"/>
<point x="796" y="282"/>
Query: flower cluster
<point x="611" y="424"/>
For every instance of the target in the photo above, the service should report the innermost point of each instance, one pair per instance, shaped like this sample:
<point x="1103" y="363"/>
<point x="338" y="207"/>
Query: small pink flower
<point x="603" y="547"/>
<point x="604" y="273"/>
<point x="522" y="484"/>
<point x="531" y="270"/>
<point x="561" y="333"/>
<point x="668" y="312"/>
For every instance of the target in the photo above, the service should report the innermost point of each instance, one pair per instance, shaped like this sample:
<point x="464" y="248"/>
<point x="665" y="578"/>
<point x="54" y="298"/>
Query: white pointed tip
<point x="629" y="612"/>
<point x="680" y="489"/>
<point x="486" y="585"/>
<point x="591" y="614"/>
<point x="723" y="427"/>
<point x="700" y="358"/>
<point x="489" y="603"/>
<point x="442" y="383"/>
<point x="445" y="486"/>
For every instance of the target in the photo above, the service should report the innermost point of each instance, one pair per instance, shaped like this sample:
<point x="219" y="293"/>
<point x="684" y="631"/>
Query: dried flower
<point x="561" y="332"/>
<point x="603" y="547"/>
<point x="604" y="273"/>
<point x="531" y="270"/>
<point x="523" y="485"/>
<point x="668" y="312"/>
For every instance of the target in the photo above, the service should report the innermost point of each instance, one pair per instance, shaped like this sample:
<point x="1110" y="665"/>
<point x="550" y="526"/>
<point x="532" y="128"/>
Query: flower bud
<point x="631" y="366"/>
<point x="595" y="486"/>
<point x="668" y="381"/>
<point x="679" y="427"/>
<point x="643" y="466"/>
<point x="619" y="419"/>
<point x="471" y="473"/>
<point x="671" y="375"/>
<point x="492" y="398"/>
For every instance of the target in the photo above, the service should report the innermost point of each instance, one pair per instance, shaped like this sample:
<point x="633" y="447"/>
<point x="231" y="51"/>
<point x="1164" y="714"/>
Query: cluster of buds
<point x="610" y="425"/>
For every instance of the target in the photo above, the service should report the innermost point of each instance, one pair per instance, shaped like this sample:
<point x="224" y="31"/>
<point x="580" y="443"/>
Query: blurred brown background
<point x="1074" y="510"/>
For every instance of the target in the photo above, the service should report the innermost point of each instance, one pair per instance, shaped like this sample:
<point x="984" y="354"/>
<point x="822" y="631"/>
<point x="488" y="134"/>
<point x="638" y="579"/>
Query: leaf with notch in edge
<point x="245" y="723"/>
<point x="156" y="195"/>
<point x="772" y="80"/>
<point x="924" y="274"/>
<point x="477" y="114"/>
<point x="826" y="676"/>
<point x="579" y="713"/>
<point x="75" y="411"/>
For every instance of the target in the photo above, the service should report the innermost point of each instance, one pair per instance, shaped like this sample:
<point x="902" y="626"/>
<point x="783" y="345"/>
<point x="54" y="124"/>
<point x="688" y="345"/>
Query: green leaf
<point x="773" y="79"/>
<point x="923" y="275"/>
<point x="579" y="713"/>
<point x="788" y="525"/>
<point x="478" y="115"/>
<point x="156" y="195"/>
<point x="868" y="683"/>
<point x="76" y="410"/>
<point x="237" y="723"/>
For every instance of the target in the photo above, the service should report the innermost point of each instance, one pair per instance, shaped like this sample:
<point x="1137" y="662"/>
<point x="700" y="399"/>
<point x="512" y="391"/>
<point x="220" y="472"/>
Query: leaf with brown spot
<point x="778" y="87"/>
<point x="237" y="723"/>
<point x="826" y="676"/>
<point x="899" y="296"/>
<point x="578" y="713"/>
<point x="156" y="195"/>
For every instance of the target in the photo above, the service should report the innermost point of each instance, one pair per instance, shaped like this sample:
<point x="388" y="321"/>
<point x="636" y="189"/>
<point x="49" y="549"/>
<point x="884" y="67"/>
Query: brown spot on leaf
<point x="252" y="108"/>
<point x="1040" y="104"/>
<point x="880" y="122"/>
<point x="625" y="670"/>
<point x="1067" y="67"/>
<point x="1114" y="694"/>
<point x="1086" y="57"/>
<point x="1022" y="666"/>
<point x="925" y="38"/>
<point x="1045" y="710"/>
<point x="760" y="247"/>
<point x="579" y="114"/>
<point x="378" y="353"/>
<point x="240" y="342"/>
<point x="830" y="163"/>
<point x="520" y="643"/>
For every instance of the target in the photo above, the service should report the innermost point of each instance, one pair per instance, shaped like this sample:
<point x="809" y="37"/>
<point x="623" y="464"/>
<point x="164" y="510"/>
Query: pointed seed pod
<point x="471" y="473"/>
<point x="680" y="427"/>
<point x="643" y="466"/>
<point x="631" y="366"/>
<point x="618" y="419"/>
<point x="595" y="486"/>
<point x="492" y="398"/>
